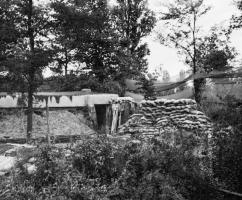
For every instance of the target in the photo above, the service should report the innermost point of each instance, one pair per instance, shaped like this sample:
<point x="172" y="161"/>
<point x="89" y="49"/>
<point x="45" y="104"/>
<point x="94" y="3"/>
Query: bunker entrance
<point x="101" y="115"/>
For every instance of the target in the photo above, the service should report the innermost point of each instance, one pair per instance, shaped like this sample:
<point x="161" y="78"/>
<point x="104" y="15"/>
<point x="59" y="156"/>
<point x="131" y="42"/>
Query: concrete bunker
<point x="101" y="112"/>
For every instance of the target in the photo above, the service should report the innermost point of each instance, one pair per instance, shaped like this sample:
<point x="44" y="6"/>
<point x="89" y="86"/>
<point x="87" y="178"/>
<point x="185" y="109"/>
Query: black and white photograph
<point x="120" y="99"/>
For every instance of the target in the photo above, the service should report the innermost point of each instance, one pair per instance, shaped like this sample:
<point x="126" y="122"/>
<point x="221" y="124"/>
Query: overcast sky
<point x="221" y="12"/>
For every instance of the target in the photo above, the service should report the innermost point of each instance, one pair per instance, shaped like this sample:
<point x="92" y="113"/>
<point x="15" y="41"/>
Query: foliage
<point x="184" y="33"/>
<point x="102" y="168"/>
<point x="21" y="60"/>
<point x="215" y="52"/>
<point x="8" y="38"/>
<point x="227" y="142"/>
<point x="236" y="20"/>
<point x="85" y="27"/>
<point x="96" y="160"/>
<point x="8" y="34"/>
<point x="72" y="82"/>
<point x="102" y="37"/>
<point x="147" y="87"/>
<point x="202" y="53"/>
<point x="134" y="21"/>
<point x="28" y="55"/>
<point x="63" y="38"/>
<point x="159" y="171"/>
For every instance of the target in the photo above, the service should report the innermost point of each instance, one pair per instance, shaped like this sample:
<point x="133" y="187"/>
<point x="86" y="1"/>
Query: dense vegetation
<point x="103" y="168"/>
<point x="227" y="141"/>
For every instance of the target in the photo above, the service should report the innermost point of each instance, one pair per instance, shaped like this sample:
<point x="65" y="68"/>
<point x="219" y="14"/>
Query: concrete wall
<point x="56" y="100"/>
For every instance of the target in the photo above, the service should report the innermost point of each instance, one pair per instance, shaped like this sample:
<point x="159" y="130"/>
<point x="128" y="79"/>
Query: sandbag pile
<point x="159" y="116"/>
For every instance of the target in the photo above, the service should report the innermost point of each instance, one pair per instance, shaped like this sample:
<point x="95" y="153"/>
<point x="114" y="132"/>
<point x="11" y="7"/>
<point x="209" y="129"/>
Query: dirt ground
<point x="60" y="122"/>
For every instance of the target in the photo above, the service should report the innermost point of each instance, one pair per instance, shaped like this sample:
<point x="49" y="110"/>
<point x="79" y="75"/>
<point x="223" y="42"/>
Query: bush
<point x="101" y="168"/>
<point x="158" y="171"/>
<point x="227" y="142"/>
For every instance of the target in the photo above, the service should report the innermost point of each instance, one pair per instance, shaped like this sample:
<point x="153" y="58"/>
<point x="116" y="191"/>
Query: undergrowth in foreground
<point x="103" y="169"/>
<point x="227" y="142"/>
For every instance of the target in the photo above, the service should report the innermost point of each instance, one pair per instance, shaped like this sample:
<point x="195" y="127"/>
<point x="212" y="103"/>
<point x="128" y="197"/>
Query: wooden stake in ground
<point x="48" y="124"/>
<point x="108" y="118"/>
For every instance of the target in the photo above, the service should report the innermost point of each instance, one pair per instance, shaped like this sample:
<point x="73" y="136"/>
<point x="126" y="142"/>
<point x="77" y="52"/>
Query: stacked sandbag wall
<point x="159" y="116"/>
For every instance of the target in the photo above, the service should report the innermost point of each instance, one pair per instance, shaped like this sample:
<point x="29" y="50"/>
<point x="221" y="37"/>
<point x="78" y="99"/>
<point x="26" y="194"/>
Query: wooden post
<point x="108" y="118"/>
<point x="93" y="115"/>
<point x="48" y="124"/>
<point x="115" y="112"/>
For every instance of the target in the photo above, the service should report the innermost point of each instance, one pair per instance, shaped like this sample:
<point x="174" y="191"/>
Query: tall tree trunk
<point x="66" y="69"/>
<point x="30" y="111"/>
<point x="123" y="87"/>
<point x="31" y="72"/>
<point x="66" y="62"/>
<point x="196" y="83"/>
<point x="198" y="88"/>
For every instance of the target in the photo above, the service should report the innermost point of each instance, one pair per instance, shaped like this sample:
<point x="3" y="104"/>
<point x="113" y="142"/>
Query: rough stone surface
<point x="10" y="155"/>
<point x="162" y="116"/>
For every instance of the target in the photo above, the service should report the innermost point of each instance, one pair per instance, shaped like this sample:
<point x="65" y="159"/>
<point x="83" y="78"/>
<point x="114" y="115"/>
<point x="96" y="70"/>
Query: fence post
<point x="47" y="119"/>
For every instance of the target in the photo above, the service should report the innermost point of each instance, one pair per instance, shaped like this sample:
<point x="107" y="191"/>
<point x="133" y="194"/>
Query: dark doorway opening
<point x="101" y="115"/>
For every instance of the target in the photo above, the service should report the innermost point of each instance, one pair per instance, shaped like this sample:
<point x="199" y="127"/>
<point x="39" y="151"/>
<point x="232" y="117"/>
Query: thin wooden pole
<point x="230" y="193"/>
<point x="48" y="124"/>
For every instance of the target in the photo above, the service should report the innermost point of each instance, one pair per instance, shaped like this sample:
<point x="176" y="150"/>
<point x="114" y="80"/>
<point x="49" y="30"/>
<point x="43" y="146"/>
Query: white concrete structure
<point x="57" y="100"/>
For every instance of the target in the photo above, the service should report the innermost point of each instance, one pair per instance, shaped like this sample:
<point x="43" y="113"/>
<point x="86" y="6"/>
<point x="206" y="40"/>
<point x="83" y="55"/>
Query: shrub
<point x="227" y="142"/>
<point x="101" y="168"/>
<point x="158" y="171"/>
<point x="97" y="159"/>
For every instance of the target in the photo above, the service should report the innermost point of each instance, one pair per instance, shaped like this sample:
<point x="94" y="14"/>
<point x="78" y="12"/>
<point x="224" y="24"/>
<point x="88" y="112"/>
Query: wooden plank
<point x="108" y="118"/>
<point x="57" y="139"/>
<point x="48" y="122"/>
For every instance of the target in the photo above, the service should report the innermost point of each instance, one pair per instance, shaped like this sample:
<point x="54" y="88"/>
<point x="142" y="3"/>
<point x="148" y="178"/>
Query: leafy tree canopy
<point x="236" y="21"/>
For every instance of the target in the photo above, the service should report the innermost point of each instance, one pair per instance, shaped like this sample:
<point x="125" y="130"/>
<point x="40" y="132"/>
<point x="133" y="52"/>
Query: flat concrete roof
<point x="57" y="99"/>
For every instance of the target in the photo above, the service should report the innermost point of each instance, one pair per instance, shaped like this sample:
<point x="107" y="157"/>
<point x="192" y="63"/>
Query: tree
<point x="85" y="26"/>
<point x="64" y="52"/>
<point x="8" y="34"/>
<point x="29" y="54"/>
<point x="134" y="21"/>
<point x="106" y="39"/>
<point x="184" y="33"/>
<point x="236" y="20"/>
<point x="215" y="52"/>
<point x="158" y="71"/>
<point x="8" y="38"/>
<point x="67" y="22"/>
<point x="165" y="76"/>
<point x="147" y="87"/>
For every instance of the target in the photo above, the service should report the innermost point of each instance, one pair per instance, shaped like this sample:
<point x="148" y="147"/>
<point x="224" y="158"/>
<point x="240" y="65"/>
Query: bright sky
<point x="167" y="58"/>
